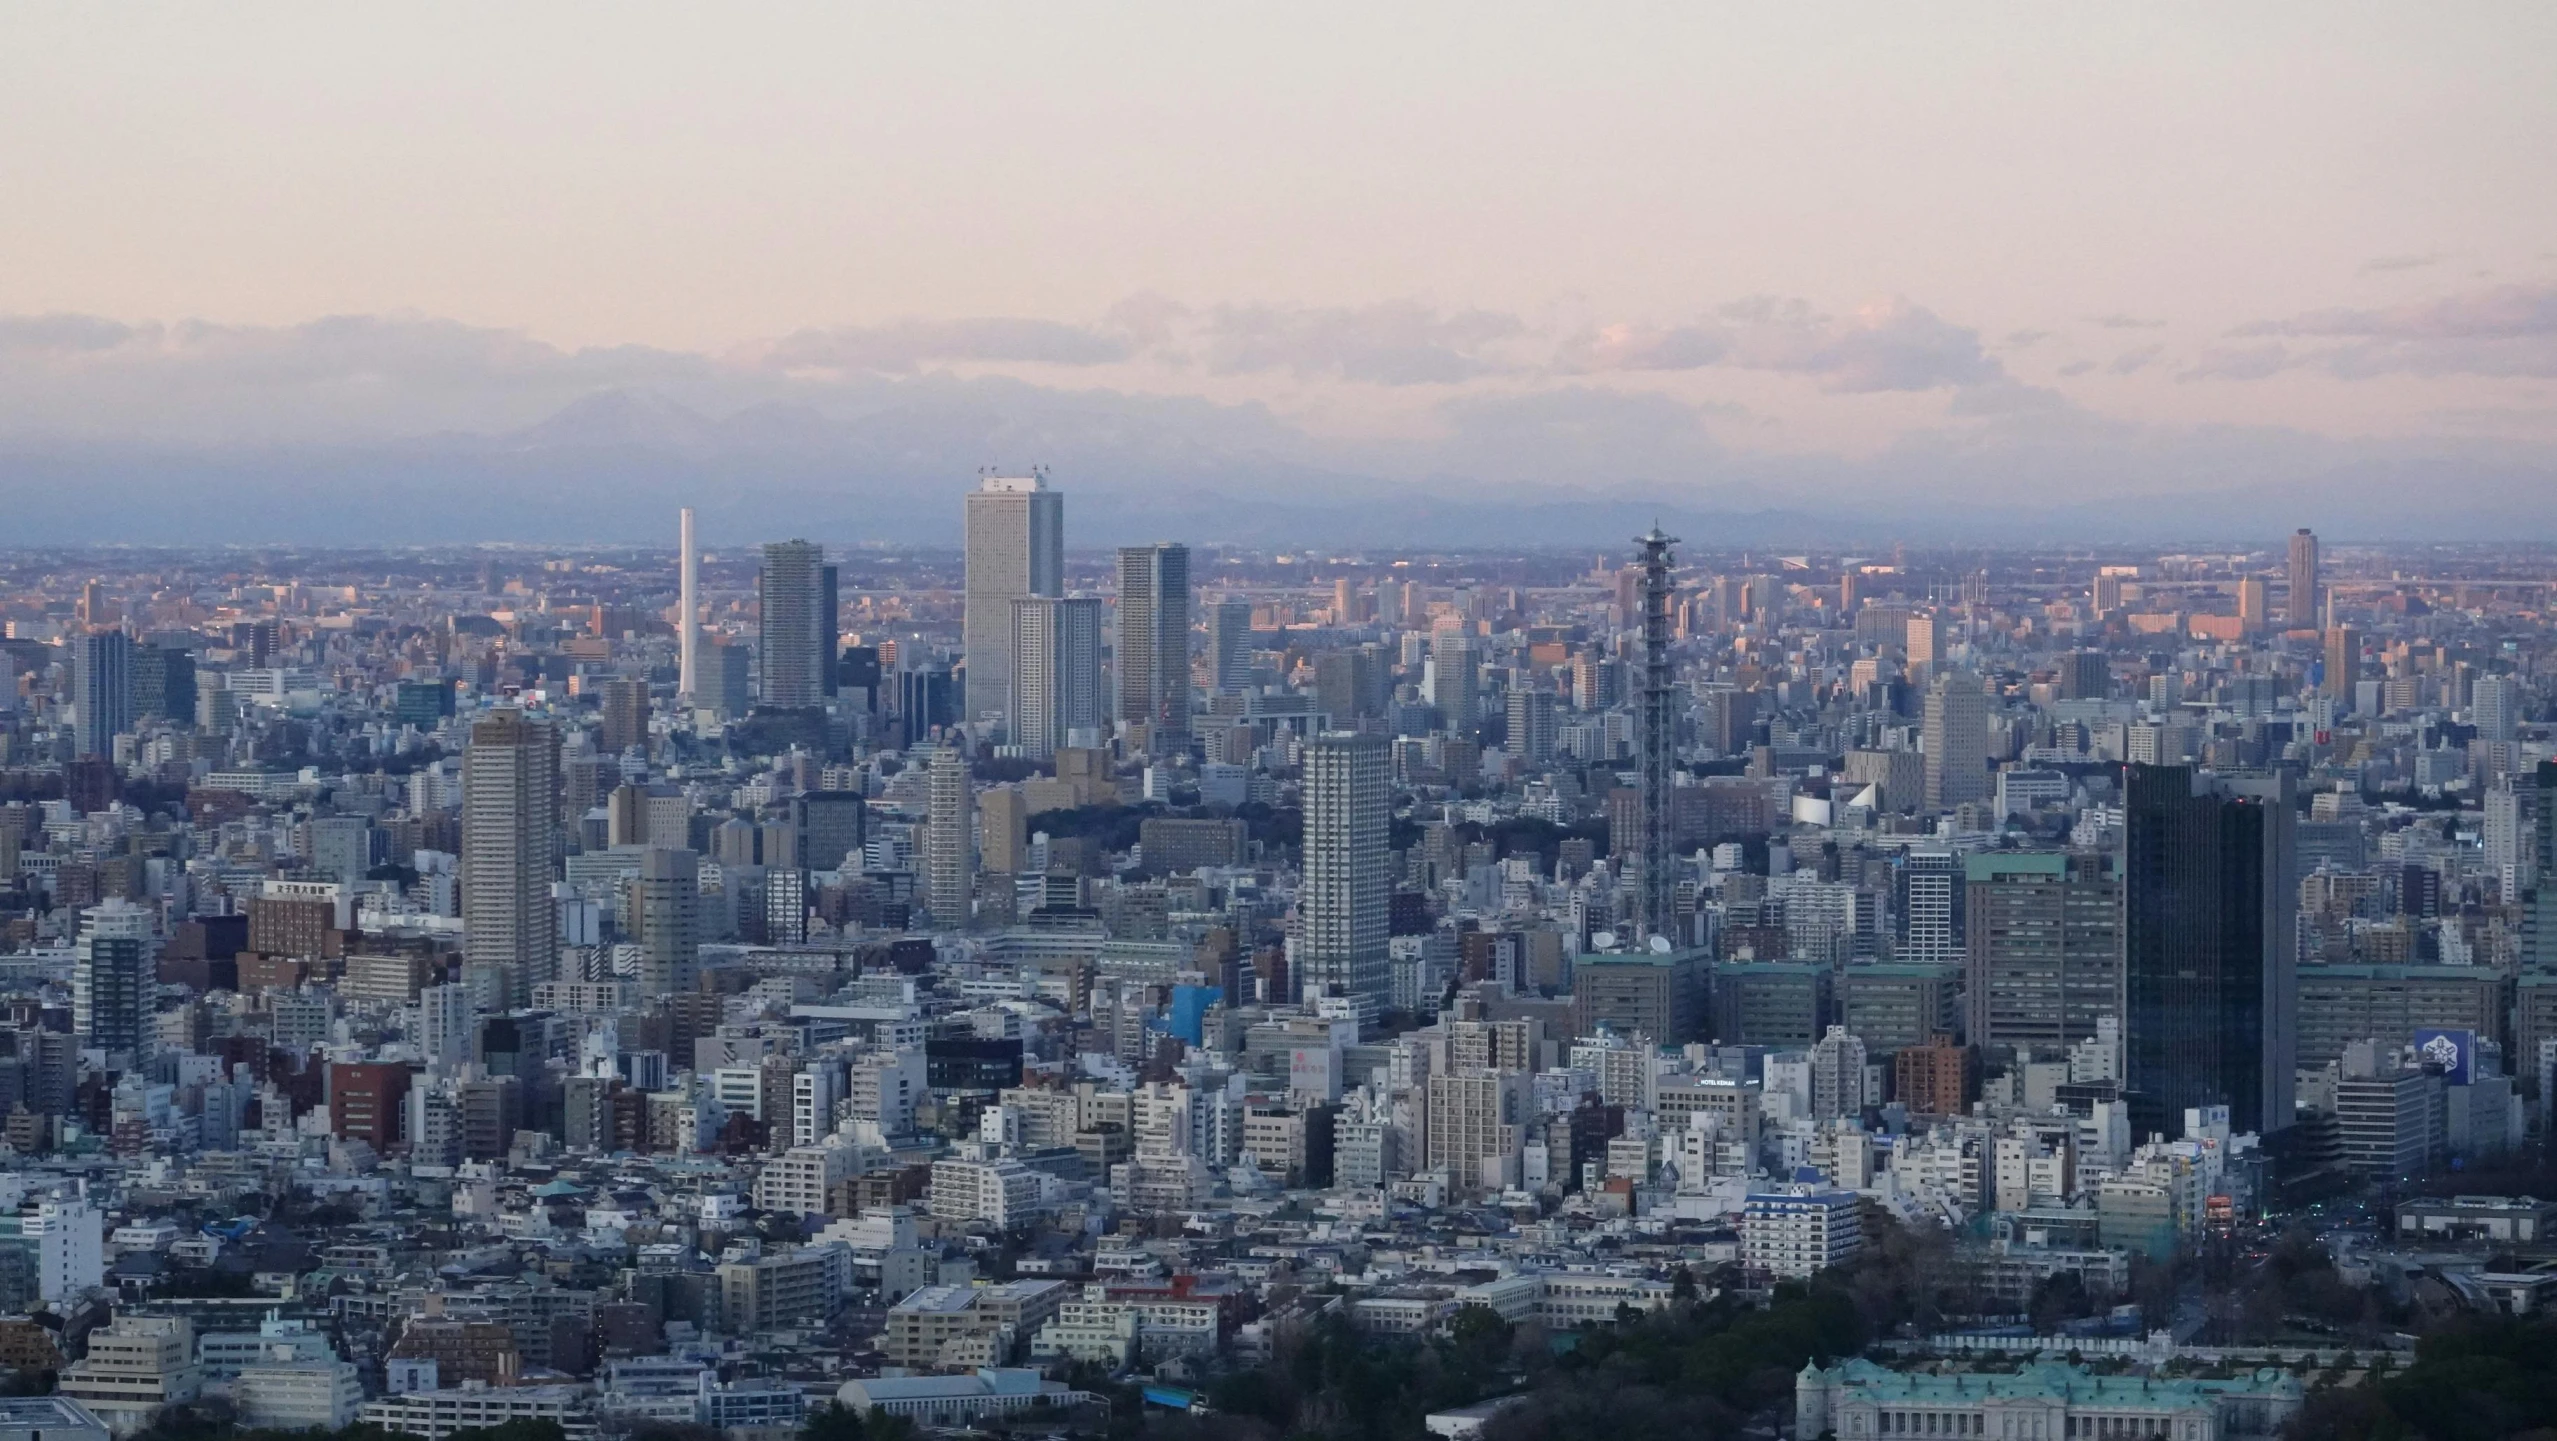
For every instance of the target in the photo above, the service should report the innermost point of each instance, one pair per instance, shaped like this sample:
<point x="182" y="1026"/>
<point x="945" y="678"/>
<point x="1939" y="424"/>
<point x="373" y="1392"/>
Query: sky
<point x="1812" y="256"/>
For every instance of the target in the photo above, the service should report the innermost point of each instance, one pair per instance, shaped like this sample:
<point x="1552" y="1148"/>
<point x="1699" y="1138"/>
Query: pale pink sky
<point x="1826" y="228"/>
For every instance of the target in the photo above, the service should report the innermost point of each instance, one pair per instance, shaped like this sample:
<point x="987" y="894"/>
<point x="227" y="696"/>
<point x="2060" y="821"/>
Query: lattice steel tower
<point x="1655" y="736"/>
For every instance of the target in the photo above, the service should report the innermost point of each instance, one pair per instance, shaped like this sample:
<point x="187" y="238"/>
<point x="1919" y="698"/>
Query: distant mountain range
<point x="613" y="467"/>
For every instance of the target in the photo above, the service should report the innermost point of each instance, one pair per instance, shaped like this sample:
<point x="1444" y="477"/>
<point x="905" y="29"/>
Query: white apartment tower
<point x="949" y="859"/>
<point x="1342" y="900"/>
<point x="1056" y="671"/>
<point x="688" y="602"/>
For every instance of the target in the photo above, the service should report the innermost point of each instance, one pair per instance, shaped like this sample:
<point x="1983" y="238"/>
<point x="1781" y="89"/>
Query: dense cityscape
<point x="756" y="984"/>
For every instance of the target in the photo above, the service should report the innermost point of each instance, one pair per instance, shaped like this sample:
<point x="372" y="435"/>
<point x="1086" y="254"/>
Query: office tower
<point x="101" y="691"/>
<point x="1531" y="725"/>
<point x="1056" y="672"/>
<point x="949" y="859"/>
<point x="1930" y="902"/>
<point x="831" y="825"/>
<point x="662" y="915"/>
<point x="163" y="684"/>
<point x="1956" y="737"/>
<point x="1003" y="819"/>
<point x="510" y="794"/>
<point x="625" y="718"/>
<point x="1455" y="682"/>
<point x="1655" y="742"/>
<point x="1920" y="637"/>
<point x="259" y="638"/>
<point x="112" y="974"/>
<point x="2253" y="606"/>
<point x="857" y="668"/>
<point x="2343" y="665"/>
<point x="829" y="631"/>
<point x="2494" y="707"/>
<point x="2107" y="595"/>
<point x="1229" y="645"/>
<point x="1153" y="654"/>
<point x="797" y="640"/>
<point x="688" y="606"/>
<point x="1350" y="684"/>
<point x="734" y="680"/>
<point x="926" y="697"/>
<point x="1015" y="547"/>
<point x="447" y="1024"/>
<point x="2085" y="675"/>
<point x="2043" y="953"/>
<point x="2209" y="920"/>
<point x="2301" y="602"/>
<point x="1343" y="899"/>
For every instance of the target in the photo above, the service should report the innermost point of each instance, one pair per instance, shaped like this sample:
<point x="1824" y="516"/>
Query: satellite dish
<point x="1660" y="945"/>
<point x="1604" y="941"/>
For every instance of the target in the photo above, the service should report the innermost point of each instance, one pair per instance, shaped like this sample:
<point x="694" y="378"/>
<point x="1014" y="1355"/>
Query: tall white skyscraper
<point x="1015" y="548"/>
<point x="949" y="855"/>
<point x="1343" y="902"/>
<point x="510" y="794"/>
<point x="688" y="625"/>
<point x="1056" y="671"/>
<point x="1956" y="736"/>
<point x="1153" y="653"/>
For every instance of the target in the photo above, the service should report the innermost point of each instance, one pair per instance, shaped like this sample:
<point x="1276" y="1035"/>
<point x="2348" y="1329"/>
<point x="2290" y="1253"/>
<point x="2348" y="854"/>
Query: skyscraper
<point x="625" y="715"/>
<point x="2209" y="924"/>
<point x="2044" y="946"/>
<point x="164" y="684"/>
<point x="1531" y="725"/>
<point x="510" y="793"/>
<point x="1229" y="645"/>
<point x="2301" y="604"/>
<point x="2253" y="609"/>
<point x="798" y="633"/>
<point x="1056" y="671"/>
<point x="1350" y="683"/>
<point x="1455" y="682"/>
<point x="1956" y="737"/>
<point x="1655" y="742"/>
<point x="111" y="979"/>
<point x="1015" y="548"/>
<point x="688" y="604"/>
<point x="1343" y="899"/>
<point x="949" y="857"/>
<point x="732" y="677"/>
<point x="663" y="918"/>
<point x="2343" y="665"/>
<point x="102" y="690"/>
<point x="2494" y="707"/>
<point x="1153" y="654"/>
